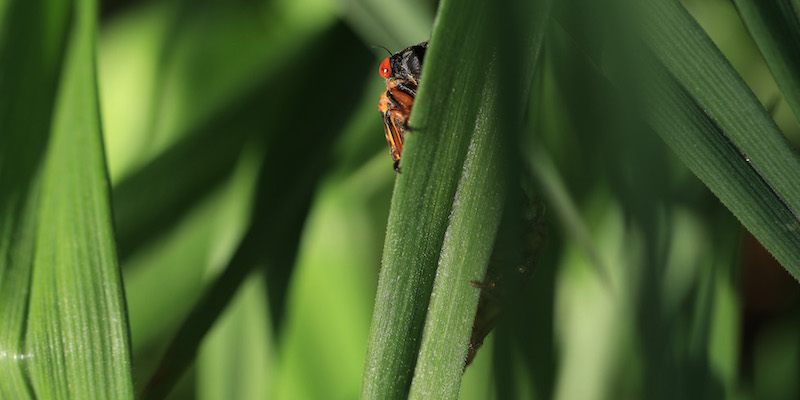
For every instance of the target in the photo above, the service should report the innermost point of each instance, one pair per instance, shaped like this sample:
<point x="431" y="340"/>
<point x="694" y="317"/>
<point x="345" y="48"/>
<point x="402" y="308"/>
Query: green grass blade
<point x="775" y="27"/>
<point x="749" y="149"/>
<point x="28" y="81"/>
<point x="77" y="333"/>
<point x="444" y="119"/>
<point x="464" y="258"/>
<point x="704" y="111"/>
<point x="480" y="197"/>
<point x="76" y="341"/>
<point x="704" y="148"/>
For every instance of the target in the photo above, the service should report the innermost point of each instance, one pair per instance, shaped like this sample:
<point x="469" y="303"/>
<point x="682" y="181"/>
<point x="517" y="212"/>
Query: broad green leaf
<point x="28" y="82"/>
<point x="75" y="335"/>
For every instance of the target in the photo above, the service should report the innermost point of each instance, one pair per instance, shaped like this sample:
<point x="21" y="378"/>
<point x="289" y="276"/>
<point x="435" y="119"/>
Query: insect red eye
<point x="385" y="70"/>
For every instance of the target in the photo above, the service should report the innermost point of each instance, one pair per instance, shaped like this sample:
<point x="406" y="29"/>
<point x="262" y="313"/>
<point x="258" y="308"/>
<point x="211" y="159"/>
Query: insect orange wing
<point x="402" y="73"/>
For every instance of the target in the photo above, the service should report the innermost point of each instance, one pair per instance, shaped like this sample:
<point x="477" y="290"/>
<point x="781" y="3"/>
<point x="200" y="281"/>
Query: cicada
<point x="402" y="72"/>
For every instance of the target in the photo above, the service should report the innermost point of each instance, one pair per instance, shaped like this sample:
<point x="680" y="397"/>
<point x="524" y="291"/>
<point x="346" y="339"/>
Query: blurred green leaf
<point x="177" y="141"/>
<point x="189" y="91"/>
<point x="712" y="123"/>
<point x="295" y="157"/>
<point x="170" y="68"/>
<point x="775" y="27"/>
<point x="164" y="280"/>
<point x="390" y="25"/>
<point x="552" y="186"/>
<point x="242" y="175"/>
<point x="236" y="357"/>
<point x="155" y="197"/>
<point x="704" y="111"/>
<point x="720" y="130"/>
<point x="329" y="305"/>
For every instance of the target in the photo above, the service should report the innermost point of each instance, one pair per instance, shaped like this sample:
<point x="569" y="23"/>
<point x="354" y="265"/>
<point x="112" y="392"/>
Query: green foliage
<point x="65" y="332"/>
<point x="194" y="200"/>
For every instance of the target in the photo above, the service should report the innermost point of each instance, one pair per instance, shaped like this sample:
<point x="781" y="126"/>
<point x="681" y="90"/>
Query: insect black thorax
<point x="407" y="64"/>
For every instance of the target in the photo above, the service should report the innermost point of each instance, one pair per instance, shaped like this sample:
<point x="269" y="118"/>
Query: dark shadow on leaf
<point x="308" y="117"/>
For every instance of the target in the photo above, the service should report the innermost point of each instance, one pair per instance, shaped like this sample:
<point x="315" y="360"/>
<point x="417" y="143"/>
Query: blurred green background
<point x="245" y="133"/>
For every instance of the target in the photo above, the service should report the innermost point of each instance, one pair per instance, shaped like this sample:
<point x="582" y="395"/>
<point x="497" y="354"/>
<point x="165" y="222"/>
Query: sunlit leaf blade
<point x="28" y="81"/>
<point x="775" y="27"/>
<point x="69" y="304"/>
<point x="77" y="338"/>
<point x="27" y="85"/>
